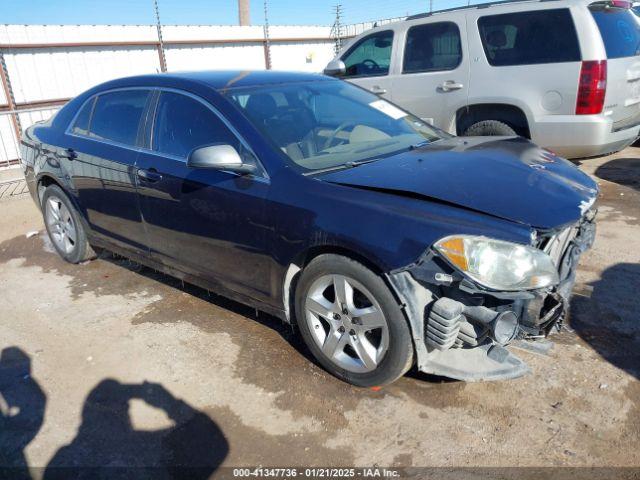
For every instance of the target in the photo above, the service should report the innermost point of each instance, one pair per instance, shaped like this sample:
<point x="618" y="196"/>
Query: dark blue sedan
<point x="387" y="242"/>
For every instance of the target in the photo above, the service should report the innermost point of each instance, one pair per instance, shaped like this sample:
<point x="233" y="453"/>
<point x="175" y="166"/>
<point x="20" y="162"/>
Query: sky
<point x="213" y="12"/>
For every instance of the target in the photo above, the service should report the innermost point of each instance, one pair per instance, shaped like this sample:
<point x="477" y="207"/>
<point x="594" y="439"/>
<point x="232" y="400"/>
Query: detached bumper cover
<point x="482" y="363"/>
<point x="460" y="344"/>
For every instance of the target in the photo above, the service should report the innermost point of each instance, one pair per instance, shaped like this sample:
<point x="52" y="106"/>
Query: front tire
<point x="352" y="323"/>
<point x="64" y="226"/>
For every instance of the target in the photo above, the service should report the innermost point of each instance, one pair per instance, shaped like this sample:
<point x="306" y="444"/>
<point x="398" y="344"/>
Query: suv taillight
<point x="592" y="87"/>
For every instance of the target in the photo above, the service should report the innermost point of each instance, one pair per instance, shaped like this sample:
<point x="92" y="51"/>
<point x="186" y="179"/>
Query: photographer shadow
<point x="22" y="404"/>
<point x="108" y="445"/>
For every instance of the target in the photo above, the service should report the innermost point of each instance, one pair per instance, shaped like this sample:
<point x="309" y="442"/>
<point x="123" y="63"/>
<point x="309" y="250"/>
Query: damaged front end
<point x="461" y="327"/>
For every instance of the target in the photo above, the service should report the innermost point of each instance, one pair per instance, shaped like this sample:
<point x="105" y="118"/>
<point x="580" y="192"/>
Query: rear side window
<point x="432" y="47"/>
<point x="81" y="125"/>
<point x="116" y="115"/>
<point x="530" y="38"/>
<point x="183" y="124"/>
<point x="370" y="57"/>
<point x="620" y="30"/>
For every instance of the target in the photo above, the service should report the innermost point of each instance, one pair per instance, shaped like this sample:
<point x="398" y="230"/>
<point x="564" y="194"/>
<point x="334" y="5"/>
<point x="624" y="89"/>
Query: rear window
<point x="116" y="115"/>
<point x="530" y="38"/>
<point x="620" y="30"/>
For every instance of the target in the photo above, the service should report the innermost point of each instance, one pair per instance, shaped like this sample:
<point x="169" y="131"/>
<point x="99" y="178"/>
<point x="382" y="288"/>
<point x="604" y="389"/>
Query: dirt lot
<point x="227" y="385"/>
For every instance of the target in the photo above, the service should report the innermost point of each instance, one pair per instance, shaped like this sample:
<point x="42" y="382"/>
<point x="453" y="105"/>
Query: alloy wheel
<point x="347" y="323"/>
<point x="62" y="228"/>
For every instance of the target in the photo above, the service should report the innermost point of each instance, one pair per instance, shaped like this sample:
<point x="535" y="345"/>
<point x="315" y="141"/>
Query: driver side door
<point x="369" y="63"/>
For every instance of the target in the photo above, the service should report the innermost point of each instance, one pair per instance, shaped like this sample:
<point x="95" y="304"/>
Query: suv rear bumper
<point x="578" y="136"/>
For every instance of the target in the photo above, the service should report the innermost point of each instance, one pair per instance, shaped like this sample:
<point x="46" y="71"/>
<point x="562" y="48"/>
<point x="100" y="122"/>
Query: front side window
<point x="619" y="28"/>
<point x="432" y="47"/>
<point x="116" y="115"/>
<point x="530" y="38"/>
<point x="370" y="57"/>
<point x="183" y="124"/>
<point x="330" y="124"/>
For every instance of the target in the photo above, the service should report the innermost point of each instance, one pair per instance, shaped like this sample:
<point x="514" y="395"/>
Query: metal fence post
<point x="8" y="93"/>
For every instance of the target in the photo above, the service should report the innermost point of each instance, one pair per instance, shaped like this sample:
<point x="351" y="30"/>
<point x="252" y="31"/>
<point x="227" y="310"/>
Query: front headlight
<point x="497" y="264"/>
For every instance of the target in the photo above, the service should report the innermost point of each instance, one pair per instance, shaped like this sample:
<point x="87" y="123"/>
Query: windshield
<point x="330" y="124"/>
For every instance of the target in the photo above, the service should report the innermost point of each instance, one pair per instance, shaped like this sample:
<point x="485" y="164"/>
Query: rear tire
<point x="490" y="128"/>
<point x="352" y="323"/>
<point x="64" y="226"/>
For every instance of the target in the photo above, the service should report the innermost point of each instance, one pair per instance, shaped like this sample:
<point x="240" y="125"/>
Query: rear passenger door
<point x="369" y="61"/>
<point x="105" y="138"/>
<point x="432" y="79"/>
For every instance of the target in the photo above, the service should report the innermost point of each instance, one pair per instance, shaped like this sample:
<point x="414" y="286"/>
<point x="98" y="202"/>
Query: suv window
<point x="529" y="38"/>
<point x="116" y="115"/>
<point x="81" y="125"/>
<point x="620" y="30"/>
<point x="432" y="47"/>
<point x="370" y="57"/>
<point x="183" y="124"/>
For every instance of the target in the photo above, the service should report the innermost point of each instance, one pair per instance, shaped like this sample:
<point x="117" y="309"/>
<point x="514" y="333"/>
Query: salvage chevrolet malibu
<point x="387" y="242"/>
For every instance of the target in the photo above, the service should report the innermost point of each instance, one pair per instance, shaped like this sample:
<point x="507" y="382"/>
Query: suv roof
<point x="488" y="5"/>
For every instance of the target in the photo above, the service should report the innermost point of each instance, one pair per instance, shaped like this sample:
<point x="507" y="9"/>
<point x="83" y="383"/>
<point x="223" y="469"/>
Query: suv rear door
<point x="620" y="31"/>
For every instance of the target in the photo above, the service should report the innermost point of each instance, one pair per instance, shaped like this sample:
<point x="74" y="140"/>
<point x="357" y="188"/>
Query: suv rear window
<point x="620" y="29"/>
<point x="530" y="38"/>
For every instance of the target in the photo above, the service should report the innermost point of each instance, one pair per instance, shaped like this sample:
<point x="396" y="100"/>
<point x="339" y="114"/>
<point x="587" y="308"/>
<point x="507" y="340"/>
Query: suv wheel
<point x="352" y="323"/>
<point x="64" y="226"/>
<point x="490" y="128"/>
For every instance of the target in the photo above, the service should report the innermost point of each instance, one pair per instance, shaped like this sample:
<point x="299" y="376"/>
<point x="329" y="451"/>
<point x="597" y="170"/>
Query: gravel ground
<point x="113" y="364"/>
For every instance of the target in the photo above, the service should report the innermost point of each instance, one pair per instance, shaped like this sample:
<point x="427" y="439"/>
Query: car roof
<point x="219" y="79"/>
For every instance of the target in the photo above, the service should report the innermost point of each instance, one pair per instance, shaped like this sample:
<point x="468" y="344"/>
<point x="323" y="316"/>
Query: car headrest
<point x="497" y="39"/>
<point x="261" y="105"/>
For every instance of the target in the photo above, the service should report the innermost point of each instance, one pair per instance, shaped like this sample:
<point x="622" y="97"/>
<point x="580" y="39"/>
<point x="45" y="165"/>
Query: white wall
<point x="53" y="73"/>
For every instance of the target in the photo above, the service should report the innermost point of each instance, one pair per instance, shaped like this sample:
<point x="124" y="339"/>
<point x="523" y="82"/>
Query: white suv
<point x="565" y="73"/>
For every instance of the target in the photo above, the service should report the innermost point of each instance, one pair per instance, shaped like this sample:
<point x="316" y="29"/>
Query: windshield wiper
<point x="344" y="166"/>
<point x="419" y="145"/>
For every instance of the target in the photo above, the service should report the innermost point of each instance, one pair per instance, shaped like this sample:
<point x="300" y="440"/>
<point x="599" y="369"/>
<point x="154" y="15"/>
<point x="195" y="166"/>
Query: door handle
<point x="451" y="85"/>
<point x="378" y="90"/>
<point x="69" y="153"/>
<point x="150" y="175"/>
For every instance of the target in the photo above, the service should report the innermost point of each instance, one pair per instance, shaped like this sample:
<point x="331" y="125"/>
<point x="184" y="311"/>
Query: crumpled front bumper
<point x="488" y="361"/>
<point x="461" y="345"/>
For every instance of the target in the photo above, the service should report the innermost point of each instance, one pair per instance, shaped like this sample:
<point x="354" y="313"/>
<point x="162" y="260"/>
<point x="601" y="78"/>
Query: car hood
<point x="509" y="178"/>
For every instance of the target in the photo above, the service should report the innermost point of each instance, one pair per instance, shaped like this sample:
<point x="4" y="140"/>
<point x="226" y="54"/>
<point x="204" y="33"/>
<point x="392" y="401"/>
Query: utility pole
<point x="244" y="13"/>
<point x="430" y="6"/>
<point x="336" y="29"/>
<point x="267" y="43"/>
<point x="163" y="59"/>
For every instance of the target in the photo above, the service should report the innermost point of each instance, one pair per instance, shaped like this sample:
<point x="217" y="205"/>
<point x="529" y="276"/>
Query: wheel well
<point x="304" y="258"/>
<point x="43" y="183"/>
<point x="509" y="114"/>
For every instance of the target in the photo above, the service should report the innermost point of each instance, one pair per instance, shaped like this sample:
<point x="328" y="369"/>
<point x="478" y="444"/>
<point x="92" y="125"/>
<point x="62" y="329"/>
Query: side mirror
<point x="335" y="68"/>
<point x="219" y="157"/>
